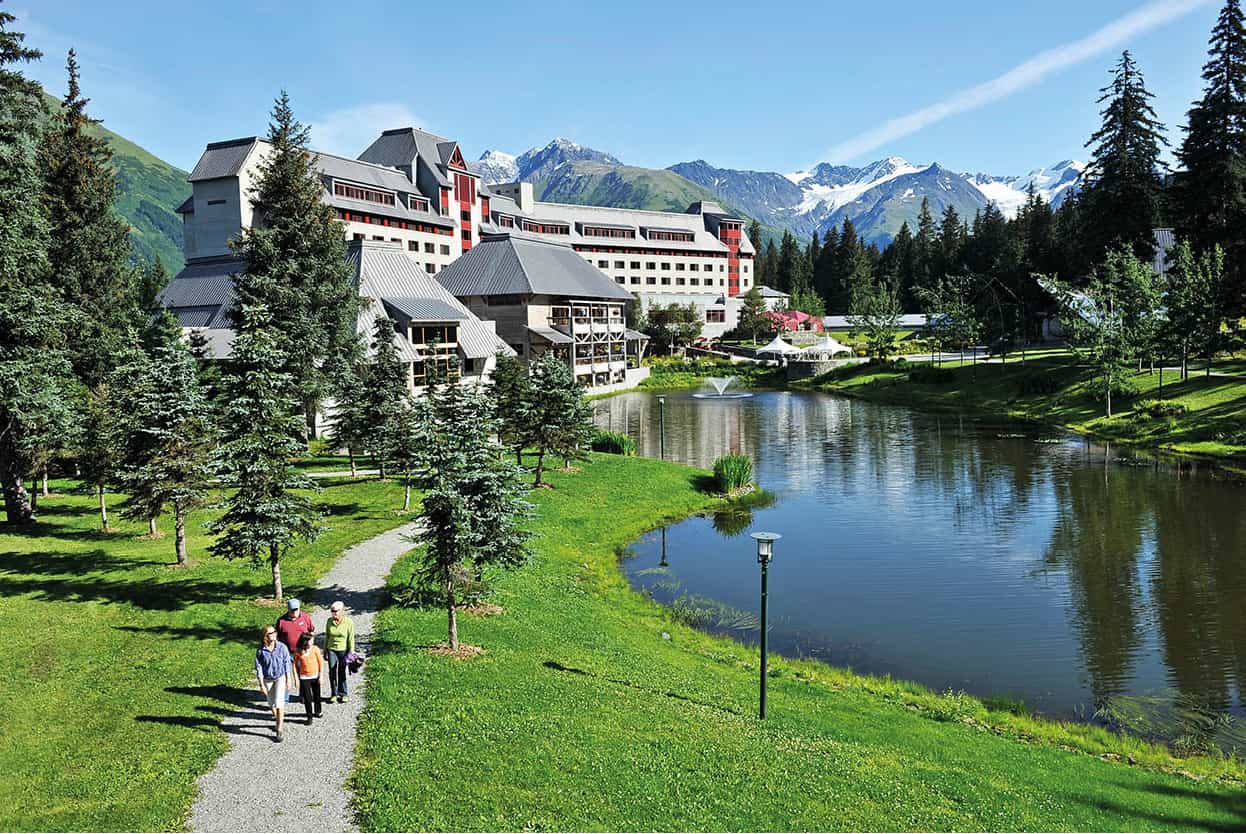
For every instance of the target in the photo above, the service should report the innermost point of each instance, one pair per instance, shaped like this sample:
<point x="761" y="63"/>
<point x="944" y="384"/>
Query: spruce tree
<point x="925" y="247"/>
<point x="265" y="511"/>
<point x="558" y="418"/>
<point x="1211" y="187"/>
<point x="947" y="258"/>
<point x="824" y="269"/>
<point x="510" y="387"/>
<point x="35" y="376"/>
<point x="166" y="450"/>
<point x="151" y="280"/>
<point x="771" y="269"/>
<point x="754" y="236"/>
<point x="348" y="427"/>
<point x="297" y="247"/>
<point x="1123" y="191"/>
<point x="89" y="249"/>
<point x="753" y="313"/>
<point x="385" y="393"/>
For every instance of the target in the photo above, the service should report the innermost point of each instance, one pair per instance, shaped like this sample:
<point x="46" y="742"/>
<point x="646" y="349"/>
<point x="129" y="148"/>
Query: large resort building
<point x="411" y="202"/>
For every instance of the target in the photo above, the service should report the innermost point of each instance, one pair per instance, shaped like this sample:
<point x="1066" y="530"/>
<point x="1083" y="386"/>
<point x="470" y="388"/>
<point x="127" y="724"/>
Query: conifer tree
<point x="752" y="313"/>
<point x="789" y="266"/>
<point x="1123" y="191"/>
<point x="754" y="236"/>
<point x="1211" y="187"/>
<point x="771" y="269"/>
<point x="1191" y="293"/>
<point x="824" y="269"/>
<point x="385" y="393"/>
<point x="297" y="246"/>
<point x="35" y="376"/>
<point x="101" y="445"/>
<point x="89" y="247"/>
<point x="853" y="269"/>
<point x="558" y="418"/>
<point x="348" y="427"/>
<point x="167" y="444"/>
<point x="510" y="387"/>
<point x="151" y="280"/>
<point x="925" y="246"/>
<point x="265" y="512"/>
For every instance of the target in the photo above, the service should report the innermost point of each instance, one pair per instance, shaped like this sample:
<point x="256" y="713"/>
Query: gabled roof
<point x="514" y="264"/>
<point x="770" y="292"/>
<point x="402" y="147"/>
<point x="223" y="159"/>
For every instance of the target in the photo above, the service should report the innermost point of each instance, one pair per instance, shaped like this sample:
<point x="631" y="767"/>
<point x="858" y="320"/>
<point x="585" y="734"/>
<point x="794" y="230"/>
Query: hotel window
<point x="666" y="280"/>
<point x="618" y="264"/>
<point x="467" y="235"/>
<point x="506" y="221"/>
<point x="378" y="237"/>
<point x="694" y="267"/>
<point x="635" y="264"/>
<point x="722" y="267"/>
<point x="395" y="240"/>
<point x="429" y="248"/>
<point x="466" y="215"/>
<point x="413" y="246"/>
<point x="445" y="250"/>
<point x="696" y="282"/>
<point x="465" y="188"/>
<point x="679" y="267"/>
<point x="666" y="267"/>
<point x="601" y="231"/>
<point x="650" y="280"/>
<point x="358" y="236"/>
<point x="716" y="316"/>
<point x="430" y="268"/>
<point x="603" y="264"/>
<point x="650" y="265"/>
<point x="635" y="279"/>
<point x="745" y="282"/>
<point x="745" y="267"/>
<point x="354" y="192"/>
<point x="680" y="281"/>
<point x="683" y="237"/>
<point x="619" y="279"/>
<point x="419" y="203"/>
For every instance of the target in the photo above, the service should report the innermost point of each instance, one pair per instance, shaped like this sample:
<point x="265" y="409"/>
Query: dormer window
<point x="546" y="228"/>
<point x="671" y="235"/>
<point x="418" y="203"/>
<point x="358" y="192"/>
<point x="609" y="231"/>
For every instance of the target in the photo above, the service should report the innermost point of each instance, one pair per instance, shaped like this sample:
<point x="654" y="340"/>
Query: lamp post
<point x="662" y="427"/>
<point x="765" y="550"/>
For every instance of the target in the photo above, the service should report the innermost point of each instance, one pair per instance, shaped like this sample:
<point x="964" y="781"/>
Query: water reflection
<point x="963" y="555"/>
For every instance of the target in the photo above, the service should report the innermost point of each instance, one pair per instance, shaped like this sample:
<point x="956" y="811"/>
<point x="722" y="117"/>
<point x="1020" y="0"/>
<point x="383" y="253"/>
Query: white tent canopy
<point x="826" y="345"/>
<point x="778" y="346"/>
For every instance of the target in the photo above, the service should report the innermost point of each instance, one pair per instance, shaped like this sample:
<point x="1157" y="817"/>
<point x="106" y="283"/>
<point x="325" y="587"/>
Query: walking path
<point x="297" y="785"/>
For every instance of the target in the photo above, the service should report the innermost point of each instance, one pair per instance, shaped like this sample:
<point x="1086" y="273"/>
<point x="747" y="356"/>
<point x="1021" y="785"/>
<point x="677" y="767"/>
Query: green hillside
<point x="588" y="183"/>
<point x="149" y="190"/>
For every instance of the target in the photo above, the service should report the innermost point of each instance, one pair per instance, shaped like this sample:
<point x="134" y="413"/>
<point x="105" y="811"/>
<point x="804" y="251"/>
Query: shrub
<point x="1160" y="409"/>
<point x="1037" y="382"/>
<point x="733" y="472"/>
<point x="614" y="443"/>
<point x="928" y="375"/>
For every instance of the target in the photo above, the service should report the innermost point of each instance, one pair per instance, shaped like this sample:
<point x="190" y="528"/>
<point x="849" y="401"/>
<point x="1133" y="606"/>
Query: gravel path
<point x="297" y="785"/>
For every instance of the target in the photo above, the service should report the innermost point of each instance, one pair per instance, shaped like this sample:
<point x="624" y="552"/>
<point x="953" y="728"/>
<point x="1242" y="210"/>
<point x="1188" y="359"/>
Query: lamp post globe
<point x="765" y="552"/>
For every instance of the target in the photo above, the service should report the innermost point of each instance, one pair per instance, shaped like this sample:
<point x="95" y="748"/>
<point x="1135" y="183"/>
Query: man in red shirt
<point x="290" y="626"/>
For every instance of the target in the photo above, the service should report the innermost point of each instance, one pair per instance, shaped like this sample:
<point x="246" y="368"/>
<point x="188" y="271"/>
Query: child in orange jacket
<point x="309" y="663"/>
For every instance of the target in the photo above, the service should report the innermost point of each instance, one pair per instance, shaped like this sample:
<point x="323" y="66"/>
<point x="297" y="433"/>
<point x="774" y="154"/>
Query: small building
<point x="794" y="321"/>
<point x="908" y="321"/>
<point x="543" y="296"/>
<point x="775" y="299"/>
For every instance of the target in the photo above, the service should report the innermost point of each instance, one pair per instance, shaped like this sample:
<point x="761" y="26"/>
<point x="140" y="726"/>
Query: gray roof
<point x="551" y="335"/>
<point x="630" y="335"/>
<point x="769" y="292"/>
<point x="340" y="167"/>
<point x="202" y="292"/>
<point x="218" y="341"/>
<point x="222" y="159"/>
<point x="1165" y="239"/>
<point x="514" y="264"/>
<point x="426" y="309"/>
<point x="402" y="147"/>
<point x="187" y="206"/>
<point x="906" y="320"/>
<point x="399" y="211"/>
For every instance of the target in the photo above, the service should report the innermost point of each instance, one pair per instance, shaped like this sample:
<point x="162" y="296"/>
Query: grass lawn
<point x="592" y="709"/>
<point x="117" y="668"/>
<point x="1214" y="423"/>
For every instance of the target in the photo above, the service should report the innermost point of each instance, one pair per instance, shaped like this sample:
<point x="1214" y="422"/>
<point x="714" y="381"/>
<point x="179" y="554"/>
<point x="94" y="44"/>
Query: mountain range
<point x="878" y="197"/>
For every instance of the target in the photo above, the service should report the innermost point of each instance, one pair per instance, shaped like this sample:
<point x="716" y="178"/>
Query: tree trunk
<point x="16" y="500"/>
<point x="519" y="456"/>
<point x="380" y="468"/>
<point x="453" y="622"/>
<point x="1161" y="379"/>
<point x="350" y="453"/>
<point x="274" y="559"/>
<point x="44" y="482"/>
<point x="179" y="535"/>
<point x="151" y="527"/>
<point x="1108" y="379"/>
<point x="103" y="510"/>
<point x="406" y="494"/>
<point x="34" y="499"/>
<point x="540" y="465"/>
<point x="309" y="410"/>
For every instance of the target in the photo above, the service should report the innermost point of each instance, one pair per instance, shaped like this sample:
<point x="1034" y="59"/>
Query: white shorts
<point x="276" y="692"/>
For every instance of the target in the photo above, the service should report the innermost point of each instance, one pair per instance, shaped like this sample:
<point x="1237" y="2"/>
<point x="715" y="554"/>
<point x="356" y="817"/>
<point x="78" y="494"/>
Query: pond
<point x="1075" y="576"/>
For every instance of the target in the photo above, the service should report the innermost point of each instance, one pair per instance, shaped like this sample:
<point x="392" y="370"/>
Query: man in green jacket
<point x="339" y="641"/>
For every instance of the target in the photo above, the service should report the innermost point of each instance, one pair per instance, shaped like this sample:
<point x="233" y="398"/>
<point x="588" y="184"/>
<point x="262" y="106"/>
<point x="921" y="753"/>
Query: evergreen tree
<point x="790" y="261"/>
<point x="89" y="247"/>
<point x="1191" y="294"/>
<point x="558" y="418"/>
<point x="265" y="512"/>
<point x="754" y="236"/>
<point x="1211" y="188"/>
<point x="151" y="281"/>
<point x="770" y="271"/>
<point x="100" y="458"/>
<point x="852" y="267"/>
<point x="813" y="252"/>
<point x="824" y="269"/>
<point x="297" y="253"/>
<point x="473" y="512"/>
<point x="385" y="393"/>
<point x="753" y="313"/>
<point x="1122" y="192"/>
<point x="35" y="377"/>
<point x="167" y="443"/>
<point x="348" y="426"/>
<point x="875" y="312"/>
<point x="510" y="388"/>
<point x="926" y="248"/>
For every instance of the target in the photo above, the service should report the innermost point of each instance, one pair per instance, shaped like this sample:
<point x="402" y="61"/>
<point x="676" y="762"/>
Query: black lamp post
<point x="662" y="427"/>
<point x="765" y="550"/>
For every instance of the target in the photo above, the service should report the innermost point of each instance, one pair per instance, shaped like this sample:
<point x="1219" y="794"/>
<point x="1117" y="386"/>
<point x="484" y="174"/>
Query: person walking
<point x="290" y="627"/>
<point x="339" y="641"/>
<point x="310" y="665"/>
<point x="272" y="668"/>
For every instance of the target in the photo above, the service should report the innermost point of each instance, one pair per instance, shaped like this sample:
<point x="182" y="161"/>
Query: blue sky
<point x="772" y="86"/>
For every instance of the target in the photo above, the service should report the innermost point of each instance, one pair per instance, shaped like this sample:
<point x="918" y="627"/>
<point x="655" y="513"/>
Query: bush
<point x="733" y="473"/>
<point x="614" y="443"/>
<point x="1161" y="409"/>
<point x="928" y="375"/>
<point x="1039" y="382"/>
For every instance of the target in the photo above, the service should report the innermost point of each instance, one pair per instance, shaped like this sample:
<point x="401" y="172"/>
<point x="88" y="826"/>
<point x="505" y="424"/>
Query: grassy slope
<point x="1216" y="406"/>
<point x="117" y="669"/>
<point x="148" y="192"/>
<point x="581" y="715"/>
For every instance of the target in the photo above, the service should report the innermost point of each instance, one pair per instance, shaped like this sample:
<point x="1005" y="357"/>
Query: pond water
<point x="1072" y="575"/>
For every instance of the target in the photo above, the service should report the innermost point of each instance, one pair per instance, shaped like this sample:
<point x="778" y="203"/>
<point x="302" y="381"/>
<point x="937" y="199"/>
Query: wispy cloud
<point x="349" y="131"/>
<point x="1025" y="74"/>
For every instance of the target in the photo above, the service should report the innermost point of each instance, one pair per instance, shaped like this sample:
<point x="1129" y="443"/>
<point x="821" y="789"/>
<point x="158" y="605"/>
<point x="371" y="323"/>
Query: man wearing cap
<point x="290" y="627"/>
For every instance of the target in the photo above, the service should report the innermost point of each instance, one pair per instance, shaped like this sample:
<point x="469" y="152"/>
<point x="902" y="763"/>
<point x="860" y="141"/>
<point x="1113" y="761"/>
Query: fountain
<point x="720" y="385"/>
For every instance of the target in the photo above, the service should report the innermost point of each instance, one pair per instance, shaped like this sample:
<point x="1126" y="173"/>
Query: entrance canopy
<point x="778" y="346"/>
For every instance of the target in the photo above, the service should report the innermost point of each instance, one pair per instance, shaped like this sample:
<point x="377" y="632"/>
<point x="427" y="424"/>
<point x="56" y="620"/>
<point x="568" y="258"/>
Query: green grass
<point x="1214" y="424"/>
<point x="583" y="715"/>
<point x="117" y="669"/>
<point x="672" y="372"/>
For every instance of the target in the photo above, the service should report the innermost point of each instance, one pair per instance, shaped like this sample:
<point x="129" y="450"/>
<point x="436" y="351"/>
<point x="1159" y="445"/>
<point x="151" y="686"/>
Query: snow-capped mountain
<point x="1053" y="184"/>
<point x="536" y="163"/>
<point x="496" y="166"/>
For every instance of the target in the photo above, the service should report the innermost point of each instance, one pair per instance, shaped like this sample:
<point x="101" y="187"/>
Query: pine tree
<point x="36" y="387"/>
<point x="754" y="236"/>
<point x="753" y="313"/>
<point x="264" y="512"/>
<point x="771" y="270"/>
<point x="925" y="247"/>
<point x="1211" y="188"/>
<point x="824" y="269"/>
<point x="297" y="248"/>
<point x="510" y="387"/>
<point x="1123" y="191"/>
<point x="853" y="269"/>
<point x="89" y="249"/>
<point x="790" y="258"/>
<point x="557" y="416"/>
<point x="385" y="393"/>
<point x="151" y="280"/>
<point x="168" y="436"/>
<point x="100" y="458"/>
